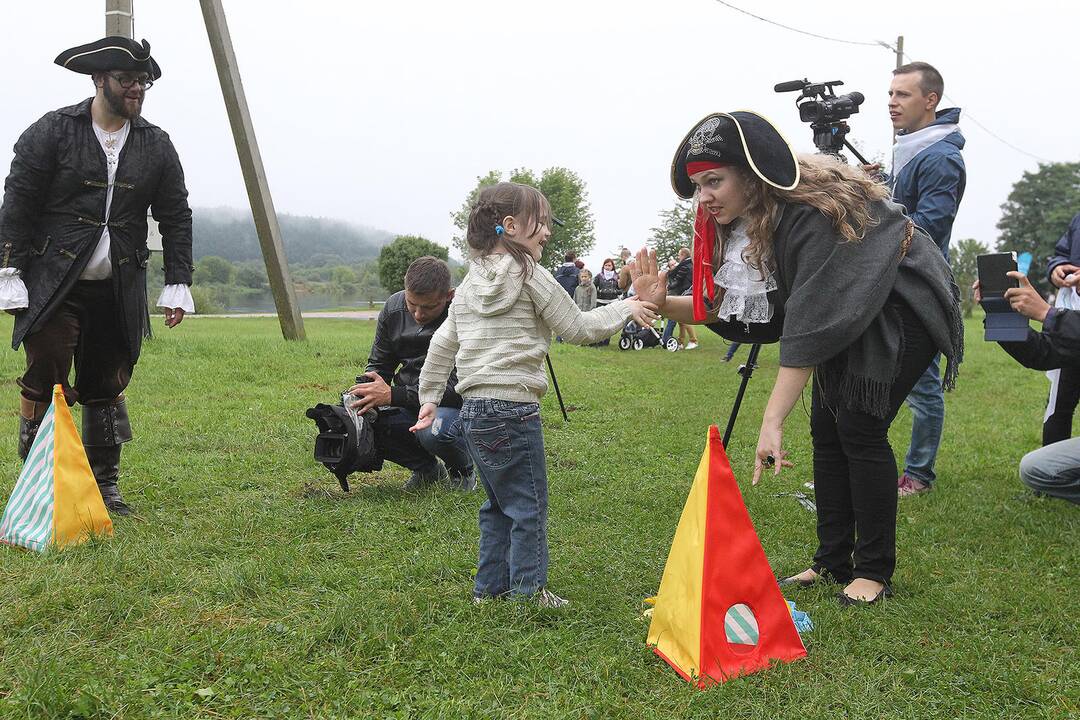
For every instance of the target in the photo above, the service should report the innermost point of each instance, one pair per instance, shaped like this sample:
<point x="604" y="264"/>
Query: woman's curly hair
<point x="841" y="192"/>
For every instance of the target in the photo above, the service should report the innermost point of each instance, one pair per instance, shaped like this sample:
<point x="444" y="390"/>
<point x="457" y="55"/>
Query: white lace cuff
<point x="177" y="296"/>
<point x="12" y="290"/>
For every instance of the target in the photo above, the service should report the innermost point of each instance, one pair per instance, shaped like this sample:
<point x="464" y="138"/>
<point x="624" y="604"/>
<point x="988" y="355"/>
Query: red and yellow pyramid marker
<point x="56" y="499"/>
<point x="717" y="565"/>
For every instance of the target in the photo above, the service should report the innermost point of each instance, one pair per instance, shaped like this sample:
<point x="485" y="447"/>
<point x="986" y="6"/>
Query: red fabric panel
<point x="735" y="570"/>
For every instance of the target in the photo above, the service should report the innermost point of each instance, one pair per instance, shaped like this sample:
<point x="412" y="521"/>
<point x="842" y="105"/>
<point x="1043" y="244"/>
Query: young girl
<point x="585" y="293"/>
<point x="497" y="333"/>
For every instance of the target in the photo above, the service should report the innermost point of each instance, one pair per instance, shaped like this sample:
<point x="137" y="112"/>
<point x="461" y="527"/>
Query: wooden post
<point x="262" y="205"/>
<point x="119" y="19"/>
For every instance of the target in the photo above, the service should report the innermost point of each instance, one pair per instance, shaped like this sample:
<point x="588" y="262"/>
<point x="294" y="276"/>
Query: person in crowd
<point x="497" y="333"/>
<point x="1053" y="469"/>
<point x="625" y="263"/>
<point x="607" y="288"/>
<point x="567" y="273"/>
<point x="680" y="272"/>
<point x="1065" y="387"/>
<point x="607" y="283"/>
<point x="406" y="323"/>
<point x="731" y="350"/>
<point x="928" y="178"/>
<point x="804" y="250"/>
<point x="73" y="229"/>
<point x="585" y="292"/>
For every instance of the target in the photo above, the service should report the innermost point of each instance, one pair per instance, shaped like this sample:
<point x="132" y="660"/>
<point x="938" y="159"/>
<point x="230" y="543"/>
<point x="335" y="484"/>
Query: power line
<point x="793" y="29"/>
<point x="893" y="49"/>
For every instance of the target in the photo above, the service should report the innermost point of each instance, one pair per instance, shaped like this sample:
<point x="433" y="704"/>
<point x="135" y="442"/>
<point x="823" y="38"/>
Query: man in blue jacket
<point x="928" y="178"/>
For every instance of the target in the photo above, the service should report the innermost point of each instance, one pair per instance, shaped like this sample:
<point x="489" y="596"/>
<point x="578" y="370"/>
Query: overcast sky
<point x="385" y="113"/>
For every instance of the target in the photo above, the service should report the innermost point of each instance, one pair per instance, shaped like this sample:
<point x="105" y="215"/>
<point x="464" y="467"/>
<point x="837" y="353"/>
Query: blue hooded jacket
<point x="931" y="185"/>
<point x="1067" y="249"/>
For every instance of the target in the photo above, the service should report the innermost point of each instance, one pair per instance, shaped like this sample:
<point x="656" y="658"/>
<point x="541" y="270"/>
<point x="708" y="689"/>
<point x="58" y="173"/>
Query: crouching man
<point x="407" y="321"/>
<point x="1052" y="470"/>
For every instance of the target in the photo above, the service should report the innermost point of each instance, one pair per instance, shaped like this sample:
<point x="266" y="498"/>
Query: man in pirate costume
<point x="73" y="252"/>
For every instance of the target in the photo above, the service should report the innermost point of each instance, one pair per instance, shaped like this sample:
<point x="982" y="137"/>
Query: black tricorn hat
<point x="114" y="52"/>
<point x="740" y="138"/>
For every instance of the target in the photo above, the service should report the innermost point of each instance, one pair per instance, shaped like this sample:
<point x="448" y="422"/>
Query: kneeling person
<point x="406" y="323"/>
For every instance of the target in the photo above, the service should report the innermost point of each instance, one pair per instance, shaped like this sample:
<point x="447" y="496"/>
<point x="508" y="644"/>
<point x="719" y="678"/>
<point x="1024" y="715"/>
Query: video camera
<point x="826" y="112"/>
<point x="346" y="442"/>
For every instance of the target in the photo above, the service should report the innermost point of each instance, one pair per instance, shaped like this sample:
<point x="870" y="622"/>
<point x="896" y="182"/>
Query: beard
<point x="118" y="103"/>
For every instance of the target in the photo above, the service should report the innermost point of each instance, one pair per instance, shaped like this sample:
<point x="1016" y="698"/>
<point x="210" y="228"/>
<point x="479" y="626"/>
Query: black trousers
<point x="1058" y="426"/>
<point x="855" y="471"/>
<point x="87" y="330"/>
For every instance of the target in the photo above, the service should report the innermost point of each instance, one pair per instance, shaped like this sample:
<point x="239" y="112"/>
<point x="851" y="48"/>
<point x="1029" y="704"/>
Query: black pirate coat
<point x="54" y="210"/>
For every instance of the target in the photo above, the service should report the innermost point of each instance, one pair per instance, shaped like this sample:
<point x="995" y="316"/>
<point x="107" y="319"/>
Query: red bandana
<point x="704" y="244"/>
<point x="693" y="168"/>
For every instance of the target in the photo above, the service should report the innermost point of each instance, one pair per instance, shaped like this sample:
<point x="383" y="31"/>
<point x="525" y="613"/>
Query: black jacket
<point x="1058" y="345"/>
<point x="54" y="207"/>
<point x="681" y="277"/>
<point x="607" y="290"/>
<point x="399" y="351"/>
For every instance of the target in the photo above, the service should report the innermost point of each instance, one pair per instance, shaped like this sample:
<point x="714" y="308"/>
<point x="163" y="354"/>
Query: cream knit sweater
<point x="499" y="328"/>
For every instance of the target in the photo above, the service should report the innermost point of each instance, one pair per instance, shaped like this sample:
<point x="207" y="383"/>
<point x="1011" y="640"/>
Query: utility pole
<point x="119" y="19"/>
<point x="899" y="51"/>
<point x="262" y="205"/>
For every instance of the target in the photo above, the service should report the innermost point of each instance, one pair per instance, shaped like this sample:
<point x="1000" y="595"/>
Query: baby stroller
<point x="638" y="337"/>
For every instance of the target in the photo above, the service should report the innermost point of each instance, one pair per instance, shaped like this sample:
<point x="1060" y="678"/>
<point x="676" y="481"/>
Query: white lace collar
<point x="745" y="293"/>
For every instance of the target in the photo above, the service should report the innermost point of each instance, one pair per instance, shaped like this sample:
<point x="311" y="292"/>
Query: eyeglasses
<point x="126" y="81"/>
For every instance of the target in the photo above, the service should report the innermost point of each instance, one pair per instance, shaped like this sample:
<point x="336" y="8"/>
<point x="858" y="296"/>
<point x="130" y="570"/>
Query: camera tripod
<point x="831" y="139"/>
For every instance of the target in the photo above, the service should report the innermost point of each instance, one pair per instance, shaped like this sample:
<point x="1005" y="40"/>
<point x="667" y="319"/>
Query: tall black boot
<point x="30" y="416"/>
<point x="27" y="432"/>
<point x="105" y="429"/>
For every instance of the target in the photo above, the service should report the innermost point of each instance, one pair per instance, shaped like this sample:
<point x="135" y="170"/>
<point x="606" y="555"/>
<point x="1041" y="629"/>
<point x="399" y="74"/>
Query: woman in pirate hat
<point x="809" y="252"/>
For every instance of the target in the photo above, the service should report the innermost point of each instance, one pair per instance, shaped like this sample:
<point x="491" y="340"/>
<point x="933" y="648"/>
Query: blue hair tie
<point x="499" y="229"/>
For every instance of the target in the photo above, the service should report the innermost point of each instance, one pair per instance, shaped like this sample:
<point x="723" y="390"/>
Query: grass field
<point x="250" y="586"/>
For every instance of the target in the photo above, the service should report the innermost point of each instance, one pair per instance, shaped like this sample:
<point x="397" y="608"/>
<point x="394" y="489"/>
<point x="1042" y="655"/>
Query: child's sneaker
<point x="547" y="599"/>
<point x="691" y="345"/>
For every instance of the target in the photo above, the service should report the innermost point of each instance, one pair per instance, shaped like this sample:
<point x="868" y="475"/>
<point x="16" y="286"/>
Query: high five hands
<point x="649" y="282"/>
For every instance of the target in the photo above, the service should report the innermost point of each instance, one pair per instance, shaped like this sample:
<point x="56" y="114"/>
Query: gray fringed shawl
<point x="832" y="295"/>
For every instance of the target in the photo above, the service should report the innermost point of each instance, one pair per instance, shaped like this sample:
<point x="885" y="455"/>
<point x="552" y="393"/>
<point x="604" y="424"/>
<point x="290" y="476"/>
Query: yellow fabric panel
<point x="676" y="622"/>
<point x="78" y="509"/>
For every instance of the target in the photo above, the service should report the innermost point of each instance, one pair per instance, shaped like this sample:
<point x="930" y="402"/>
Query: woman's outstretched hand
<point x="650" y="283"/>
<point x="770" y="454"/>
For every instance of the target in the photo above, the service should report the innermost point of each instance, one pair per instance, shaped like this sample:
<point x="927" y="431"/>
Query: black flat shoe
<point x="846" y="600"/>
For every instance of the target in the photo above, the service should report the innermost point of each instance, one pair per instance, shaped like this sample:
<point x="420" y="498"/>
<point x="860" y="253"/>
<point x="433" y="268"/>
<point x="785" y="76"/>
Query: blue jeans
<point x="731" y="350"/>
<point x="927" y="405"/>
<point x="443" y="440"/>
<point x="1054" y="470"/>
<point x="507" y="445"/>
<point x="669" y="329"/>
